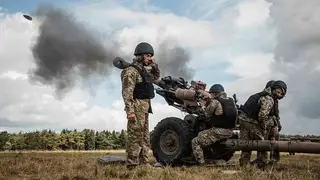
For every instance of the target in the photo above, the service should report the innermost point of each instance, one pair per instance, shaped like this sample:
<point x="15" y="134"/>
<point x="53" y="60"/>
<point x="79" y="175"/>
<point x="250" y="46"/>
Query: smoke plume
<point x="297" y="52"/>
<point x="173" y="60"/>
<point x="66" y="50"/>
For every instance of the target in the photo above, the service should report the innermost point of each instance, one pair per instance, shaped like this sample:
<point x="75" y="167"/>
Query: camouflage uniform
<point x="212" y="135"/>
<point x="138" y="141"/>
<point x="273" y="132"/>
<point x="251" y="129"/>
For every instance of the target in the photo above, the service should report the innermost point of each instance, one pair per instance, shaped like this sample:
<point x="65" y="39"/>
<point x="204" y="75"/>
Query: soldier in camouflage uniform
<point x="137" y="92"/>
<point x="256" y="115"/>
<point x="274" y="128"/>
<point x="221" y="114"/>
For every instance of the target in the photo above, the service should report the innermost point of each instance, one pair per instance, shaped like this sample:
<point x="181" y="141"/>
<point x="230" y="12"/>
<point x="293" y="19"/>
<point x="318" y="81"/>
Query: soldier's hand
<point x="153" y="63"/>
<point x="279" y="127"/>
<point x="131" y="116"/>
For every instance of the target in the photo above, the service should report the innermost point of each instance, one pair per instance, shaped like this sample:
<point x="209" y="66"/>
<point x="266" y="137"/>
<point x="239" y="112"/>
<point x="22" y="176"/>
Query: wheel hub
<point x="169" y="142"/>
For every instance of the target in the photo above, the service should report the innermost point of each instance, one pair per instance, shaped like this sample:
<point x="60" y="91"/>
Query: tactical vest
<point x="144" y="89"/>
<point x="252" y="107"/>
<point x="228" y="118"/>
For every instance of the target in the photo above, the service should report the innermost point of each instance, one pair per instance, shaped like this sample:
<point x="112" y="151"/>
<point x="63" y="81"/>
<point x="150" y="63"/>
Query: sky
<point x="240" y="44"/>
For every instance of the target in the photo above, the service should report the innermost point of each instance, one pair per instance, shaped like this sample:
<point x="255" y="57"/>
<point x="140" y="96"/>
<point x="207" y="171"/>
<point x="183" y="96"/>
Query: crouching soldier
<point x="273" y="130"/>
<point x="221" y="113"/>
<point x="257" y="114"/>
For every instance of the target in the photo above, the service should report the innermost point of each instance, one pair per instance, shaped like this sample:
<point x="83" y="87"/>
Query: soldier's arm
<point x="128" y="80"/>
<point x="155" y="71"/>
<point x="213" y="108"/>
<point x="266" y="103"/>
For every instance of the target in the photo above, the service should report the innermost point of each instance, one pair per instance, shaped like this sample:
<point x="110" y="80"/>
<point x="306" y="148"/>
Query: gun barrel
<point x="268" y="145"/>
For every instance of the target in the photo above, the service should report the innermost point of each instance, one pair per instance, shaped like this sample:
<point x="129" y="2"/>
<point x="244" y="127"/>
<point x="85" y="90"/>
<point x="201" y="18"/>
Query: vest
<point x="252" y="108"/>
<point x="228" y="119"/>
<point x="144" y="89"/>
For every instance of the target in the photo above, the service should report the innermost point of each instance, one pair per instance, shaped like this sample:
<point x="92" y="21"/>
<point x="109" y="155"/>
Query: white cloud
<point x="149" y="26"/>
<point x="252" y="13"/>
<point x="251" y="65"/>
<point x="14" y="75"/>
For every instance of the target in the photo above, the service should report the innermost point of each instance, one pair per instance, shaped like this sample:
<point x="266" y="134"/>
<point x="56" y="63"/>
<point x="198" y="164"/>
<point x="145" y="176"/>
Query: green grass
<point x="79" y="165"/>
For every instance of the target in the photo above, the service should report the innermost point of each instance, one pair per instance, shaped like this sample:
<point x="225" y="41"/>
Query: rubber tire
<point x="185" y="135"/>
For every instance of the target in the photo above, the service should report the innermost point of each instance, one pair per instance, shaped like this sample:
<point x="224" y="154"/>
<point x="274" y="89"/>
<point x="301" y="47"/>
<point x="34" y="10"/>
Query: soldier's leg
<point x="146" y="140"/>
<point x="203" y="139"/>
<point x="207" y="138"/>
<point x="245" y="156"/>
<point x="133" y="145"/>
<point x="262" y="156"/>
<point x="276" y="154"/>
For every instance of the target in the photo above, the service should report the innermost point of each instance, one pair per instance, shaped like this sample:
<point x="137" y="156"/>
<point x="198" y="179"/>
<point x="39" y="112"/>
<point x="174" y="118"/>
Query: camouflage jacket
<point x="266" y="105"/>
<point x="129" y="78"/>
<point x="214" y="107"/>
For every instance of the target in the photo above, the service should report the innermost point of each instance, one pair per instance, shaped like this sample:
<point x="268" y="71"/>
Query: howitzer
<point x="303" y="139"/>
<point x="171" y="138"/>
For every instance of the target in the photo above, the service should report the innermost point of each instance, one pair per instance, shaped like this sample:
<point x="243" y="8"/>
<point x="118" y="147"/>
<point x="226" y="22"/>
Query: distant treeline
<point x="65" y="140"/>
<point x="86" y="139"/>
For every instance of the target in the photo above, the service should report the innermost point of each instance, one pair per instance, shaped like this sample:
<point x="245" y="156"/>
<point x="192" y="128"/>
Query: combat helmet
<point x="280" y="84"/>
<point x="143" y="48"/>
<point x="216" y="88"/>
<point x="269" y="83"/>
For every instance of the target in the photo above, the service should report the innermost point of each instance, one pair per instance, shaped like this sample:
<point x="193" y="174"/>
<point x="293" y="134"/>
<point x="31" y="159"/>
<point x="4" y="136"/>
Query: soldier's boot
<point x="277" y="156"/>
<point x="220" y="162"/>
<point x="244" y="159"/>
<point x="274" y="157"/>
<point x="258" y="163"/>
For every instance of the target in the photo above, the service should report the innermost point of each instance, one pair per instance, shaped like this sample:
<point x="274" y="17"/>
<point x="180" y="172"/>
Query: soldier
<point x="137" y="92"/>
<point x="274" y="128"/>
<point x="221" y="114"/>
<point x="256" y="115"/>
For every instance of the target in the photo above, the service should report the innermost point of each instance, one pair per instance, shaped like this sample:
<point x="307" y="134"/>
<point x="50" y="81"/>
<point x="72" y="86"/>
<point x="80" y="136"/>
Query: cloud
<point x="252" y="13"/>
<point x="297" y="54"/>
<point x="250" y="65"/>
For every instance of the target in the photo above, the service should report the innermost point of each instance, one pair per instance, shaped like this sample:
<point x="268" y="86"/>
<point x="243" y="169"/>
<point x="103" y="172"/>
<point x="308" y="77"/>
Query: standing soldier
<point x="259" y="111"/>
<point x="137" y="92"/>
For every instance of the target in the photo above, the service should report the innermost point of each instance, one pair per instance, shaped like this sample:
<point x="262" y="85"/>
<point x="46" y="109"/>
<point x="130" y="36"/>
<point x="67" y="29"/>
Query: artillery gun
<point x="171" y="137"/>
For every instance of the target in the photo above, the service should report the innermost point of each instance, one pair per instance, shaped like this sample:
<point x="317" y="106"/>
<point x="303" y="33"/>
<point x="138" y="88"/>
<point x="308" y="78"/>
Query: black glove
<point x="279" y="127"/>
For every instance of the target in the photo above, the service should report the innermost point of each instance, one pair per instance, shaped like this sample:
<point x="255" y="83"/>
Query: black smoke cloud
<point x="297" y="52"/>
<point x="173" y="60"/>
<point x="66" y="50"/>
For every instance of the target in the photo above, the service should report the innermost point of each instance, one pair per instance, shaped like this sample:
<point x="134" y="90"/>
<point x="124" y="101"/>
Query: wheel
<point x="171" y="141"/>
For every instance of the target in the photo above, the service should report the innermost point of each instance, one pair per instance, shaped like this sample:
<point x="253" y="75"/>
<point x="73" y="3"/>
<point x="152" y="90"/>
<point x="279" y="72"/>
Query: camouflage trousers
<point x="273" y="134"/>
<point x="251" y="131"/>
<point x="138" y="139"/>
<point x="206" y="138"/>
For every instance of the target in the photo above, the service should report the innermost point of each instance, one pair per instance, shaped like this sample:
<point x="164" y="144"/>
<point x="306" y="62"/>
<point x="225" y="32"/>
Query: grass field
<point x="83" y="165"/>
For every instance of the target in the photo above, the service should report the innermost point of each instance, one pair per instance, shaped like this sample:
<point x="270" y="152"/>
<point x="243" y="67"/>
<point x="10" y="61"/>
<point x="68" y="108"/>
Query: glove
<point x="279" y="127"/>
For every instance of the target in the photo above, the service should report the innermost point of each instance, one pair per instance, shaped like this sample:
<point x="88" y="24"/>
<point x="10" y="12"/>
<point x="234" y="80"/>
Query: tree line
<point x="86" y="139"/>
